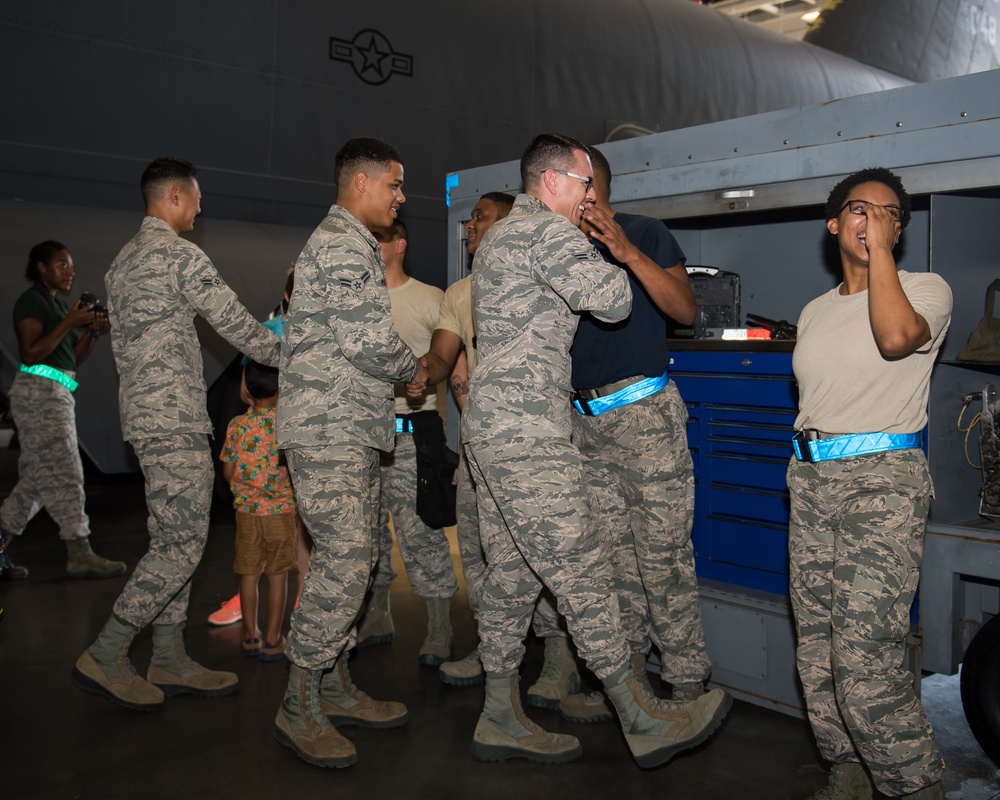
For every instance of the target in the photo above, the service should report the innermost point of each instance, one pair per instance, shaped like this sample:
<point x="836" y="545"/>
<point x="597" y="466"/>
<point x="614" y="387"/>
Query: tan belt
<point x="611" y="388"/>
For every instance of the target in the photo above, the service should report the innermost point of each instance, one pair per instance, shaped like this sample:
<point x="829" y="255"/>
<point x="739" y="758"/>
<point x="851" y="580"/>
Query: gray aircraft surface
<point x="260" y="94"/>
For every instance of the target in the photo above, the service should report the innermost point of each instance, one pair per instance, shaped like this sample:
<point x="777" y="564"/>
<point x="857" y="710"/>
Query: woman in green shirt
<point x="52" y="341"/>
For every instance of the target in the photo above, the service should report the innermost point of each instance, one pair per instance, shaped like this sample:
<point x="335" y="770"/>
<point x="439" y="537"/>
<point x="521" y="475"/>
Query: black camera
<point x="90" y="299"/>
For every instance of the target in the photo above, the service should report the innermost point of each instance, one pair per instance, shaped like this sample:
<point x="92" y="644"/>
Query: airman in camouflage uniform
<point x="156" y="286"/>
<point x="533" y="271"/>
<point x="559" y="675"/>
<point x="340" y="357"/>
<point x="639" y="471"/>
<point x="53" y="340"/>
<point x="860" y="492"/>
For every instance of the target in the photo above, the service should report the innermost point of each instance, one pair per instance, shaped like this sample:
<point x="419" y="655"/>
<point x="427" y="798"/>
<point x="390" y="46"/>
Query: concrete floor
<point x="58" y="742"/>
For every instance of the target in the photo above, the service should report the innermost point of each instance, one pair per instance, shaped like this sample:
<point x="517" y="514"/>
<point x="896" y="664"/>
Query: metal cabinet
<point x="741" y="406"/>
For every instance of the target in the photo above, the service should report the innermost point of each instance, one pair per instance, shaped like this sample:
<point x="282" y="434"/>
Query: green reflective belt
<point x="53" y="374"/>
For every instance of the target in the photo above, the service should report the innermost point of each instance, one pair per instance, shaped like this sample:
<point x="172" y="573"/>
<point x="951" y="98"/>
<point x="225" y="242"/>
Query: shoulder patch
<point x="356" y="284"/>
<point x="214" y="281"/>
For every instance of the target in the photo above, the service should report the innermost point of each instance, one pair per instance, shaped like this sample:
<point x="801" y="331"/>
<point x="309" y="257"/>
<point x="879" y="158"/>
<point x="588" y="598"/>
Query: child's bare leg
<point x="248" y="602"/>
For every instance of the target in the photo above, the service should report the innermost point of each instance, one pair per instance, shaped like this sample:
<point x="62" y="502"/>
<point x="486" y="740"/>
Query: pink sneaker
<point x="229" y="613"/>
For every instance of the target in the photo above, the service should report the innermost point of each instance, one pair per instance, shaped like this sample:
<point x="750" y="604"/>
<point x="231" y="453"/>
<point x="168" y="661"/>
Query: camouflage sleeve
<point x="579" y="275"/>
<point x="211" y="297"/>
<point x="358" y="313"/>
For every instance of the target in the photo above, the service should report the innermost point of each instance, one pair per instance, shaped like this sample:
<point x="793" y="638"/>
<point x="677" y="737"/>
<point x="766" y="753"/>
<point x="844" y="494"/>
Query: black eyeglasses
<point x="588" y="182"/>
<point x="858" y="207"/>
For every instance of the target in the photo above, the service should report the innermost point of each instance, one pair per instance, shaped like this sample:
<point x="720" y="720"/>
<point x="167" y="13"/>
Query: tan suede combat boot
<point x="105" y="669"/>
<point x="586" y="707"/>
<point x="436" y="648"/>
<point x="82" y="562"/>
<point x="590" y="707"/>
<point x="345" y="704"/>
<point x="657" y="730"/>
<point x="176" y="673"/>
<point x="467" y="671"/>
<point x="302" y="726"/>
<point x="376" y="623"/>
<point x="559" y="676"/>
<point x="848" y="781"/>
<point x="687" y="691"/>
<point x="504" y="732"/>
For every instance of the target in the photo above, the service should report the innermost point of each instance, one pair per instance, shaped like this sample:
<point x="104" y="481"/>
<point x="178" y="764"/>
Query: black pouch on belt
<point x="436" y="467"/>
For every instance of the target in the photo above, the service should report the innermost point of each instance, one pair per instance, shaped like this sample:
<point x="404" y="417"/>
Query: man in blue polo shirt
<point x="630" y="424"/>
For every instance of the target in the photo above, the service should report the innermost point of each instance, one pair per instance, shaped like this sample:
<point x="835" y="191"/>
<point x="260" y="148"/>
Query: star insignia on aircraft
<point x="372" y="57"/>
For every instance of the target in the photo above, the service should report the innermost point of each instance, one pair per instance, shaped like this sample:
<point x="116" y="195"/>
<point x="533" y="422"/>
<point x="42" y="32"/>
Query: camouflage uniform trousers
<point x="49" y="470"/>
<point x="179" y="478"/>
<point x="536" y="530"/>
<point x="856" y="535"/>
<point x="425" y="551"/>
<point x="546" y="621"/>
<point x="337" y="491"/>
<point x="640" y="481"/>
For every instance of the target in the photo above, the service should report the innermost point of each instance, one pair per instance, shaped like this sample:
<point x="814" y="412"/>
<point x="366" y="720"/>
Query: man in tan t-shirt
<point x="415" y="307"/>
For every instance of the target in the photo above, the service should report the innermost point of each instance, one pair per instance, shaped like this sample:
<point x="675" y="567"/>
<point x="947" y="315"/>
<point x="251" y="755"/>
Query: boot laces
<point x="437" y="627"/>
<point x="838" y="787"/>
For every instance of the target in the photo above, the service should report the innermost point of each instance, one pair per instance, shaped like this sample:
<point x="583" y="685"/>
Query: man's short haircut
<point x="503" y="201"/>
<point x="261" y="381"/>
<point x="839" y="194"/>
<point x="42" y="253"/>
<point x="547" y="151"/>
<point x="371" y="156"/>
<point x="164" y="171"/>
<point x="390" y="233"/>
<point x="602" y="169"/>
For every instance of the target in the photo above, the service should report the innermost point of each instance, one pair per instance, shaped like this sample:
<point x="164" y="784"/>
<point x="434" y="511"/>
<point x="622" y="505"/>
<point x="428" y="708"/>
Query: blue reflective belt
<point x="403" y="425"/>
<point x="623" y="397"/>
<point x="855" y="444"/>
<point x="53" y="374"/>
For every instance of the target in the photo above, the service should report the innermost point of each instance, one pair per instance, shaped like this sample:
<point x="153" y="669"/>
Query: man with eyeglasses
<point x="534" y="273"/>
<point x="453" y="352"/>
<point x="860" y="491"/>
<point x="630" y="424"/>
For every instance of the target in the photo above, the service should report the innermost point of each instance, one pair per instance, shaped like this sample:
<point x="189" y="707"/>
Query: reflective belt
<point x="53" y="374"/>
<point x="855" y="444"/>
<point x="403" y="425"/>
<point x="623" y="397"/>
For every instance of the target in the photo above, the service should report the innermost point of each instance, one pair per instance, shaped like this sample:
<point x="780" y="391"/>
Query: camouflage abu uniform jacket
<point x="532" y="271"/>
<point x="340" y="353"/>
<point x="156" y="285"/>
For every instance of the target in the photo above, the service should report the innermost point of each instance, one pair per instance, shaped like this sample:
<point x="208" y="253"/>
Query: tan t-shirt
<point x="456" y="316"/>
<point x="415" y="308"/>
<point x="845" y="384"/>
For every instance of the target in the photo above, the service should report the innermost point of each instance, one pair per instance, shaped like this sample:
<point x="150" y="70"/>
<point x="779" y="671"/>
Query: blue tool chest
<point x="742" y="402"/>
